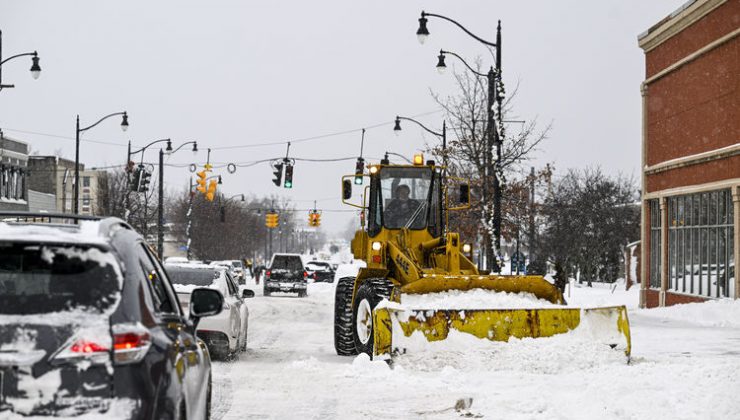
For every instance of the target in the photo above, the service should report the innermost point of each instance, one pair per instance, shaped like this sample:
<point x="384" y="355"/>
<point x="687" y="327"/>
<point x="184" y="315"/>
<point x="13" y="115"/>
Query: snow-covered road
<point x="681" y="368"/>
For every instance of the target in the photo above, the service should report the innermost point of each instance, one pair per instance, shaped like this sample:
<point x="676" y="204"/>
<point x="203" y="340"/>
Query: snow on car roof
<point x="87" y="231"/>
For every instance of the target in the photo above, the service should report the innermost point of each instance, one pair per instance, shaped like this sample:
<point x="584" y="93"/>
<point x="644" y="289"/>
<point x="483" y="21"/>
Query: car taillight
<point x="89" y="345"/>
<point x="131" y="342"/>
<point x="305" y="274"/>
<point x="267" y="274"/>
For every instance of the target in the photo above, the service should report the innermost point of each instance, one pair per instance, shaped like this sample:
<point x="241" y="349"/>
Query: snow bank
<point x="473" y="299"/>
<point x="715" y="313"/>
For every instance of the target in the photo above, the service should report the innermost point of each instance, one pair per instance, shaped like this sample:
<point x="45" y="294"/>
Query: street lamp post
<point x="443" y="136"/>
<point x="160" y="200"/>
<point x="223" y="205"/>
<point x="491" y="168"/>
<point x="35" y="68"/>
<point x="78" y="130"/>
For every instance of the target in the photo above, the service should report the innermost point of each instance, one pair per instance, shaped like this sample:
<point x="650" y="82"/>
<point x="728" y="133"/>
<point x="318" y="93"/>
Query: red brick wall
<point x="719" y="22"/>
<point x="652" y="298"/>
<point x="715" y="170"/>
<point x="695" y="108"/>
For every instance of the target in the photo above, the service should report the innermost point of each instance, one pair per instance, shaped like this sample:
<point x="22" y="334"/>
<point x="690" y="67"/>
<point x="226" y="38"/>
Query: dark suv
<point x="286" y="274"/>
<point x="322" y="271"/>
<point x="89" y="322"/>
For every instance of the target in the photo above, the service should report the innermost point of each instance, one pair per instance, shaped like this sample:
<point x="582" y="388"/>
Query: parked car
<point x="235" y="268"/>
<point x="90" y="323"/>
<point x="286" y="273"/>
<point x="226" y="333"/>
<point x="320" y="271"/>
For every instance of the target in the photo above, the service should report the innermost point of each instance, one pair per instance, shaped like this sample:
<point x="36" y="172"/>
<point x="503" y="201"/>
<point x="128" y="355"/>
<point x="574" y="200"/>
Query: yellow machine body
<point x="417" y="262"/>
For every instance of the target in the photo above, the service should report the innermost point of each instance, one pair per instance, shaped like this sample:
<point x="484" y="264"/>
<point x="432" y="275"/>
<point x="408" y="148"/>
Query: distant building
<point x="55" y="175"/>
<point x="13" y="174"/>
<point x="691" y="155"/>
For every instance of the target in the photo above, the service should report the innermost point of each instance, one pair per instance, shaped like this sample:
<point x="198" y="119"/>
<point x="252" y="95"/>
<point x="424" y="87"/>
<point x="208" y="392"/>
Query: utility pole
<point x="160" y="208"/>
<point x="497" y="170"/>
<point x="532" y="239"/>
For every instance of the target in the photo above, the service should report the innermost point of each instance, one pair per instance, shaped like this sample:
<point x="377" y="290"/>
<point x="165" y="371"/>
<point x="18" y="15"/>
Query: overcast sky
<point x="241" y="73"/>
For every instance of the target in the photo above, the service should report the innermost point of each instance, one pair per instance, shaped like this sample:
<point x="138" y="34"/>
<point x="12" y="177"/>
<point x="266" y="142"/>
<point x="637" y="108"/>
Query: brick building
<point x="13" y="174"/>
<point x="55" y="175"/>
<point x="691" y="155"/>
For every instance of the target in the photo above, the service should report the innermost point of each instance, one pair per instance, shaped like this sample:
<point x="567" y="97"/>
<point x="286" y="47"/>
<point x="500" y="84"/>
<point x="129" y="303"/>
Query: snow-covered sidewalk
<point x="686" y="364"/>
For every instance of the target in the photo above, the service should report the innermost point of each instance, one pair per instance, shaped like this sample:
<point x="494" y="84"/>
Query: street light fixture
<point x="493" y="136"/>
<point x="78" y="130"/>
<point x="35" y="68"/>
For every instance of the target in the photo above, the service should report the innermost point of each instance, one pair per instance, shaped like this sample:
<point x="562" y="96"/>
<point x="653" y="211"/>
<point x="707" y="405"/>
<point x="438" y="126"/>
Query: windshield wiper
<point x="413" y="217"/>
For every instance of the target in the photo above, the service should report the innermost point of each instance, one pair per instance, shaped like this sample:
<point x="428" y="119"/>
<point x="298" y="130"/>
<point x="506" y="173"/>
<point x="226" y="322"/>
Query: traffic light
<point x="135" y="179"/>
<point x="272" y="220"/>
<point x="201" y="181"/>
<point x="211" y="192"/>
<point x="277" y="172"/>
<point x="359" y="169"/>
<point x="314" y="219"/>
<point x="144" y="180"/>
<point x="288" y="176"/>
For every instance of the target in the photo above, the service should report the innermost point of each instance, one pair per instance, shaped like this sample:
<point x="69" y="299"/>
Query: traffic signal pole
<point x="160" y="205"/>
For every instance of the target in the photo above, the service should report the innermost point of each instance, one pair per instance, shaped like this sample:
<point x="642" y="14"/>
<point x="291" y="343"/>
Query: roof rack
<point x="26" y="216"/>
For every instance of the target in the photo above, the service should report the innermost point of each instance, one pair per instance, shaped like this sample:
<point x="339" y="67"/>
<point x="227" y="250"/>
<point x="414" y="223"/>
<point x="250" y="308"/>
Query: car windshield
<point x="317" y="266"/>
<point x="292" y="263"/>
<point x="404" y="193"/>
<point x="41" y="278"/>
<point x="191" y="276"/>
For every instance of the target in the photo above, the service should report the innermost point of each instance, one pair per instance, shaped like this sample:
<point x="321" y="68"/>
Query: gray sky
<point x="236" y="73"/>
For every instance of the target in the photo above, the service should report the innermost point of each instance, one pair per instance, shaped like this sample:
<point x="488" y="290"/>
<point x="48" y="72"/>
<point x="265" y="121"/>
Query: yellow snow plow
<point x="408" y="251"/>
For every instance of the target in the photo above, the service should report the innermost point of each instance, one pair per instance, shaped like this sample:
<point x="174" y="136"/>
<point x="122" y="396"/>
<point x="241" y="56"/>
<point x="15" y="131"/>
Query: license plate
<point x="285" y="285"/>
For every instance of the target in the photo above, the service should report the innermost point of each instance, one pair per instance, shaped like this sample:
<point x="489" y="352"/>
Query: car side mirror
<point x="346" y="189"/>
<point x="205" y="302"/>
<point x="464" y="193"/>
<point x="246" y="293"/>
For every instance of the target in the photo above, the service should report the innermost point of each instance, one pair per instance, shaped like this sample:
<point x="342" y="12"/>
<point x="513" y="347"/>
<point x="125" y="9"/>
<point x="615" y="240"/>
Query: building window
<point x="85" y="199"/>
<point x="85" y="181"/>
<point x="700" y="244"/>
<point x="654" y="206"/>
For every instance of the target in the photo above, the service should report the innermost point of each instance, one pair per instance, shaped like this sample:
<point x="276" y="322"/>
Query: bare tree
<point x="467" y="113"/>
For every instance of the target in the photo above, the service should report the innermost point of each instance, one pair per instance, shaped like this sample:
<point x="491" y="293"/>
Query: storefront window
<point x="654" y="206"/>
<point x="700" y="243"/>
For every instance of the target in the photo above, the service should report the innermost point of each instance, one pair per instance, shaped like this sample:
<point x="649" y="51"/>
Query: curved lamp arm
<point x="396" y="154"/>
<point x="125" y="118"/>
<point x="194" y="143"/>
<point x="398" y="126"/>
<point x="479" y="39"/>
<point x="147" y="146"/>
<point x="35" y="54"/>
<point x="443" y="52"/>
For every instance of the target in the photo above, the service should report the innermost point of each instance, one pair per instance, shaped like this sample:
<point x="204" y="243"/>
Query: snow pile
<point x="563" y="353"/>
<point x="349" y="270"/>
<point x="473" y="299"/>
<point x="714" y="313"/>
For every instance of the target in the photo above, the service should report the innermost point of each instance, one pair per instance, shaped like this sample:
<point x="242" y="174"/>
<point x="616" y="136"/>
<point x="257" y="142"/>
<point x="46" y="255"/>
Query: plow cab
<point x="409" y="252"/>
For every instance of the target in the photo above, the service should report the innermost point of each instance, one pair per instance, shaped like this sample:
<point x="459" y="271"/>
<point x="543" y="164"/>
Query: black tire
<point x="344" y="342"/>
<point x="372" y="290"/>
<point x="265" y="292"/>
<point x="302" y="294"/>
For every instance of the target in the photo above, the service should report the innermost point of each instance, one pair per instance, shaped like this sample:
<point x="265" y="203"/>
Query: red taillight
<point x="305" y="274"/>
<point x="129" y="341"/>
<point x="267" y="274"/>
<point x="87" y="347"/>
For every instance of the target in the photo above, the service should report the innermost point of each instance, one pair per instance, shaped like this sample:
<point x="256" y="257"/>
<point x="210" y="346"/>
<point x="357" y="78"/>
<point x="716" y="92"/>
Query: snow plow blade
<point x="535" y="285"/>
<point x="609" y="325"/>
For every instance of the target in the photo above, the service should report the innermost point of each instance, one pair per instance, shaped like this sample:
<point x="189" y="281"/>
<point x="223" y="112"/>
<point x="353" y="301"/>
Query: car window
<point x="287" y="262"/>
<point x="162" y="302"/>
<point x="39" y="278"/>
<point x="233" y="288"/>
